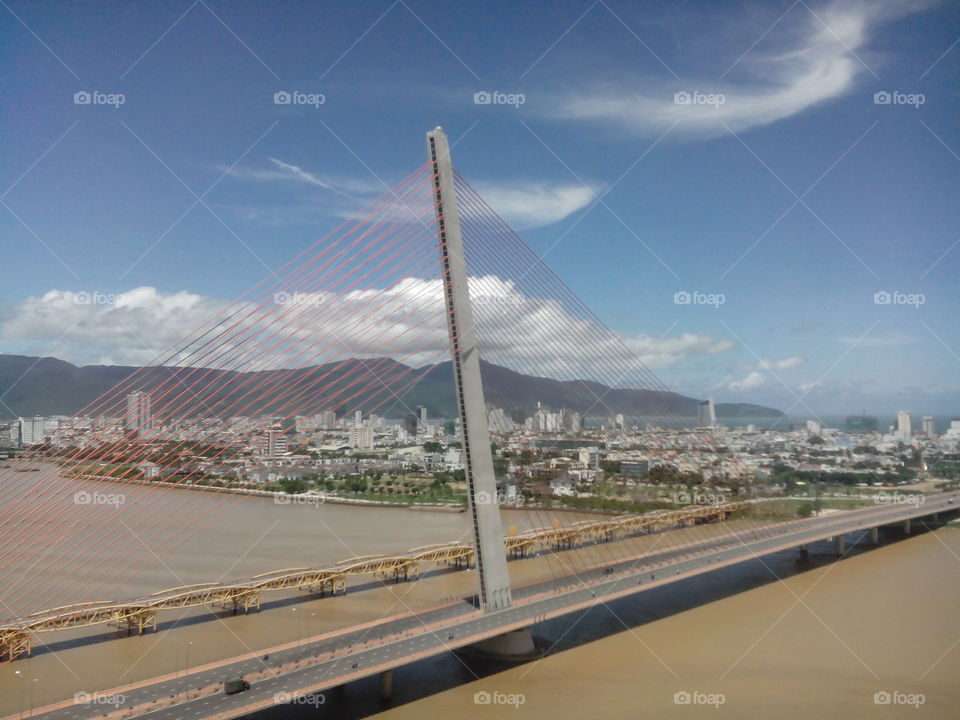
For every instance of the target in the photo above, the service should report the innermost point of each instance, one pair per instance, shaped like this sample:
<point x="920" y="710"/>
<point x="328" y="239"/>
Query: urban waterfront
<point x="908" y="583"/>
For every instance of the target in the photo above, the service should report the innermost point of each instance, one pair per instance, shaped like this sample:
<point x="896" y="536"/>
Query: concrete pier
<point x="386" y="685"/>
<point x="514" y="646"/>
<point x="875" y="536"/>
<point x="840" y="543"/>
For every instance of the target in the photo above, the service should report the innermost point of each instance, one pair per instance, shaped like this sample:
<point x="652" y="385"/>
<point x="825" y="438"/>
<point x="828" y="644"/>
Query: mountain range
<point x="48" y="386"/>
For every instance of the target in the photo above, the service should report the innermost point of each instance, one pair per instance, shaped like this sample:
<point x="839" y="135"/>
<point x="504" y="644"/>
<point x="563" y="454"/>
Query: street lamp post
<point x="299" y="628"/>
<point x="20" y="682"/>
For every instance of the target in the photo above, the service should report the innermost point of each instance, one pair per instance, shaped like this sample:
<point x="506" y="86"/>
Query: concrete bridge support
<point x="514" y="646"/>
<point x="906" y="527"/>
<point x="386" y="685"/>
<point x="840" y="543"/>
<point x="875" y="536"/>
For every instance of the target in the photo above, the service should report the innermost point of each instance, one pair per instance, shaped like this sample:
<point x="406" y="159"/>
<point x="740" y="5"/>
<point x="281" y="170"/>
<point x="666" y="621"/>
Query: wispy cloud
<point x="525" y="205"/>
<point x="278" y="170"/>
<point x="783" y="364"/>
<point x="522" y="204"/>
<point x="664" y="352"/>
<point x="822" y="64"/>
<point x="893" y="339"/>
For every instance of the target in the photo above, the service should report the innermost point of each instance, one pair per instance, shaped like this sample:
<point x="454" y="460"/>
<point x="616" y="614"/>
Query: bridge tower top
<point x="478" y="460"/>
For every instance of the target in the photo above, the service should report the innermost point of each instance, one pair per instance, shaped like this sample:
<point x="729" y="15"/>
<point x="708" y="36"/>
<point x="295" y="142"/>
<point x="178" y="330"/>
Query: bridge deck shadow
<point x="360" y="699"/>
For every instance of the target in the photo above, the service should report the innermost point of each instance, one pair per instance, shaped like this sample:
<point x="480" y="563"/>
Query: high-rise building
<point x="903" y="426"/>
<point x="590" y="456"/>
<point x="139" y="416"/>
<point x="409" y="424"/>
<point x="571" y="420"/>
<point x="928" y="427"/>
<point x="275" y="441"/>
<point x="326" y="419"/>
<point x="707" y="413"/>
<point x="31" y="430"/>
<point x="498" y="420"/>
<point x="358" y="418"/>
<point x="422" y="414"/>
<point x="361" y="438"/>
<point x="814" y="427"/>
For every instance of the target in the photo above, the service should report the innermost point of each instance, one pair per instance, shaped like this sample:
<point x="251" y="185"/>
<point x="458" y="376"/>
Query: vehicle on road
<point x="233" y="686"/>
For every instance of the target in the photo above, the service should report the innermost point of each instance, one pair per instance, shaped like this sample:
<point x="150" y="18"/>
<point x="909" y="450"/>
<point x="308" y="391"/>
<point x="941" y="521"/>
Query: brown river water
<point x="818" y="643"/>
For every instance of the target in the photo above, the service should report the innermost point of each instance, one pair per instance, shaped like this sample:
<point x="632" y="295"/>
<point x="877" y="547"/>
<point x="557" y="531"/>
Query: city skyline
<point x="817" y="278"/>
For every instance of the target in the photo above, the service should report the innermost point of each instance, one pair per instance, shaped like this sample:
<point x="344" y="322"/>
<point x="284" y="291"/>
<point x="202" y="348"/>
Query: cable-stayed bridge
<point x="427" y="273"/>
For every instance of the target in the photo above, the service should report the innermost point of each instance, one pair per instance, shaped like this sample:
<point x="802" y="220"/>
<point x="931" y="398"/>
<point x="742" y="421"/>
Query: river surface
<point x="882" y="620"/>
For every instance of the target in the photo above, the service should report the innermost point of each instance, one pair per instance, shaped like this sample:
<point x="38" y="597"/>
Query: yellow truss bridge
<point x="140" y="614"/>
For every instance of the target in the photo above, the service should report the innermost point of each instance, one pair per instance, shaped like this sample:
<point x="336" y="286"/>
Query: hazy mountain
<point x="47" y="386"/>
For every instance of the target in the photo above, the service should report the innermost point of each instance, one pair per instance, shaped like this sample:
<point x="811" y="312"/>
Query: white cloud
<point x="531" y="335"/>
<point x="770" y="365"/>
<point x="822" y="65"/>
<point x="287" y="172"/>
<point x="101" y="328"/>
<point x="894" y="339"/>
<point x="521" y="204"/>
<point x="659" y="353"/>
<point x="524" y="205"/>
<point x="753" y="380"/>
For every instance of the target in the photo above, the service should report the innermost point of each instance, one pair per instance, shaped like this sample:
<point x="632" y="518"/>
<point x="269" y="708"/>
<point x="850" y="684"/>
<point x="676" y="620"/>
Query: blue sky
<point x="783" y="185"/>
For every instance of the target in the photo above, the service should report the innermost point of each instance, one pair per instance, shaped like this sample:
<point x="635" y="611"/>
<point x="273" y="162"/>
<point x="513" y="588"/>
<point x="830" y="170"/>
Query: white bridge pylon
<point x="478" y="461"/>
